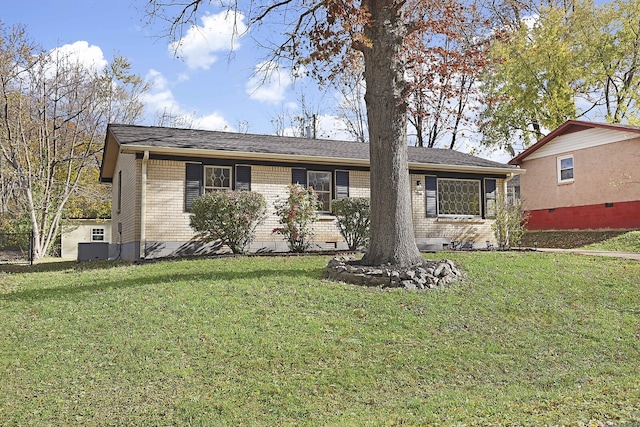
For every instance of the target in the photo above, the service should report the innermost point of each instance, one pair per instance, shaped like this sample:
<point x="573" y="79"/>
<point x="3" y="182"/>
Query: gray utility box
<point x="93" y="251"/>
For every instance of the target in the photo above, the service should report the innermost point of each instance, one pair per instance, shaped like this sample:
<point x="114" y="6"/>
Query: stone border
<point x="429" y="275"/>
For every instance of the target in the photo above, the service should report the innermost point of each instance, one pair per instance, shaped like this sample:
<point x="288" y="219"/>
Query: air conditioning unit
<point x="93" y="251"/>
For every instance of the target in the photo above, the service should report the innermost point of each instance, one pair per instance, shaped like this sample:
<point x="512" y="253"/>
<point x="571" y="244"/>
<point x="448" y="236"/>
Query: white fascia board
<point x="465" y="169"/>
<point x="244" y="155"/>
<point x="291" y="158"/>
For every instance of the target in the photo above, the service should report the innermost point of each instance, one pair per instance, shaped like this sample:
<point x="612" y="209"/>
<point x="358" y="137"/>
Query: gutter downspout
<point x="509" y="177"/>
<point x="143" y="206"/>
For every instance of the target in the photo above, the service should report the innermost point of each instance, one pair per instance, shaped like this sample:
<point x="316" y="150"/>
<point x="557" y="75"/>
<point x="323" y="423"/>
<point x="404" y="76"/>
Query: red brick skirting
<point x="619" y="216"/>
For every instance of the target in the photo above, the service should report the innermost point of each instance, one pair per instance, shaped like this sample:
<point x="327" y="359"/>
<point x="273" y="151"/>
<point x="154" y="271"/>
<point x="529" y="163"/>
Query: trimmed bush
<point x="228" y="216"/>
<point x="354" y="218"/>
<point x="297" y="213"/>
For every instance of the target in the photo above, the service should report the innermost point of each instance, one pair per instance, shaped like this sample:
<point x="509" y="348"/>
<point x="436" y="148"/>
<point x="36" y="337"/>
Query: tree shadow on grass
<point x="70" y="291"/>
<point x="53" y="266"/>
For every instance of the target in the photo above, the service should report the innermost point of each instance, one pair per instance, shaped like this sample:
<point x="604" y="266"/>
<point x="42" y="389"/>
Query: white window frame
<point x="329" y="174"/>
<point x="461" y="215"/>
<point x="97" y="234"/>
<point x="214" y="188"/>
<point x="560" y="169"/>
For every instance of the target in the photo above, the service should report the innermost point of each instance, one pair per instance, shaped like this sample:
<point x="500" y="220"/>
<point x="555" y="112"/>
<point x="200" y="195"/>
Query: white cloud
<point x="159" y="98"/>
<point x="213" y="121"/>
<point x="78" y="53"/>
<point x="167" y="111"/>
<point x="327" y="127"/>
<point x="89" y="56"/>
<point x="218" y="33"/>
<point x="269" y="83"/>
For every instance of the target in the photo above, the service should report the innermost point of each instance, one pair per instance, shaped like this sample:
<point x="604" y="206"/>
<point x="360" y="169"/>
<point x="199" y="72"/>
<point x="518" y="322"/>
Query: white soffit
<point x="580" y="140"/>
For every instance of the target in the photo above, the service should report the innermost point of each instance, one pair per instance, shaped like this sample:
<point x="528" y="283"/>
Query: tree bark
<point x="392" y="237"/>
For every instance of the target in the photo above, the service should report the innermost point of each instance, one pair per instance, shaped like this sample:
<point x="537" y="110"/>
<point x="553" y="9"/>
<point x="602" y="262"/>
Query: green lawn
<point x="626" y="242"/>
<point x="527" y="339"/>
<point x="603" y="240"/>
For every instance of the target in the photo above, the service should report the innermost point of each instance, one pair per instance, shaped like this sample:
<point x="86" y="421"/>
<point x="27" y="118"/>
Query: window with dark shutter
<point x="431" y="186"/>
<point x="193" y="187"/>
<point x="342" y="184"/>
<point x="490" y="194"/>
<point x="299" y="176"/>
<point x="243" y="178"/>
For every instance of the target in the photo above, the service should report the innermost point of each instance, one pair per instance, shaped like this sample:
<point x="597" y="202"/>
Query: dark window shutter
<point x="431" y="186"/>
<point x="299" y="176"/>
<point x="193" y="187"/>
<point x="243" y="178"/>
<point x="490" y="194"/>
<point x="342" y="184"/>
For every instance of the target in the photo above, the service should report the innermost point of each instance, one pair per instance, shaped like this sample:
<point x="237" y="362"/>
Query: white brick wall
<point x="166" y="220"/>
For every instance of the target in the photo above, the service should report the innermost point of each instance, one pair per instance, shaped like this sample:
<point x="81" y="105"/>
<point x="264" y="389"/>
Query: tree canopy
<point x="53" y="115"/>
<point x="566" y="61"/>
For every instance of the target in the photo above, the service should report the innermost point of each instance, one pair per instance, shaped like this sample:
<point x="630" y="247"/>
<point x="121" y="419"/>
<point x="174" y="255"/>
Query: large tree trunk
<point x="392" y="236"/>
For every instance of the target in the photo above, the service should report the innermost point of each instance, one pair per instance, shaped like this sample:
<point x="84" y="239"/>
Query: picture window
<point x="217" y="178"/>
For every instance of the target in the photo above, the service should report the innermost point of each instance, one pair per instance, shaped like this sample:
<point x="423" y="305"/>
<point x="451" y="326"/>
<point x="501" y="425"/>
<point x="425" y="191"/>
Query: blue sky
<point x="205" y="86"/>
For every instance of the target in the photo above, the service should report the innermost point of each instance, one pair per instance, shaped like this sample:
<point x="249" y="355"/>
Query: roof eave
<point x="244" y="155"/>
<point x="293" y="158"/>
<point x="565" y="128"/>
<point x="109" y="157"/>
<point x="466" y="169"/>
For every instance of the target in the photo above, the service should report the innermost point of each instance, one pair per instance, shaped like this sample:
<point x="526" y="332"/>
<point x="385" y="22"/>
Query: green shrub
<point x="15" y="232"/>
<point x="509" y="225"/>
<point x="228" y="216"/>
<point x="297" y="213"/>
<point x="354" y="218"/>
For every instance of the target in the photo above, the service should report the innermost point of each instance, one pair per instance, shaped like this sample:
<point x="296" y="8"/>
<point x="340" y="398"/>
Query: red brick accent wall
<point x="618" y="215"/>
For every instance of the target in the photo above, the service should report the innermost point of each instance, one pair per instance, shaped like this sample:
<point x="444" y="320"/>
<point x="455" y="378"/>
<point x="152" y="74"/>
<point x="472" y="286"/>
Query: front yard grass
<point x="603" y="240"/>
<point x="625" y="242"/>
<point x="526" y="339"/>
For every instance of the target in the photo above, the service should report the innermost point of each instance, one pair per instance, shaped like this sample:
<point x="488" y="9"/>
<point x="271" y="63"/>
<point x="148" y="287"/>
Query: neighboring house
<point x="156" y="173"/>
<point x="76" y="231"/>
<point x="583" y="176"/>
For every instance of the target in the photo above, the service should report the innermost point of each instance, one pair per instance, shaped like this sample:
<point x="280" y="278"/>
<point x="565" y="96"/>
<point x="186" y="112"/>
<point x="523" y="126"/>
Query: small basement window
<point x="97" y="234"/>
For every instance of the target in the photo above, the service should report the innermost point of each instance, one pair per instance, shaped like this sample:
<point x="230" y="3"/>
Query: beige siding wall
<point x="605" y="173"/>
<point x="129" y="215"/>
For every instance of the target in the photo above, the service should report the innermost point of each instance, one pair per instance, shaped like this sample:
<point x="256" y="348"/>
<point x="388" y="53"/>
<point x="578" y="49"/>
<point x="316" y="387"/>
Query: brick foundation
<point x="617" y="216"/>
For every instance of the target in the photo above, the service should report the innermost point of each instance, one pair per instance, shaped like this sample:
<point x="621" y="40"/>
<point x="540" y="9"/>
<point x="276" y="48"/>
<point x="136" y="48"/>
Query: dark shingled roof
<point x="173" y="138"/>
